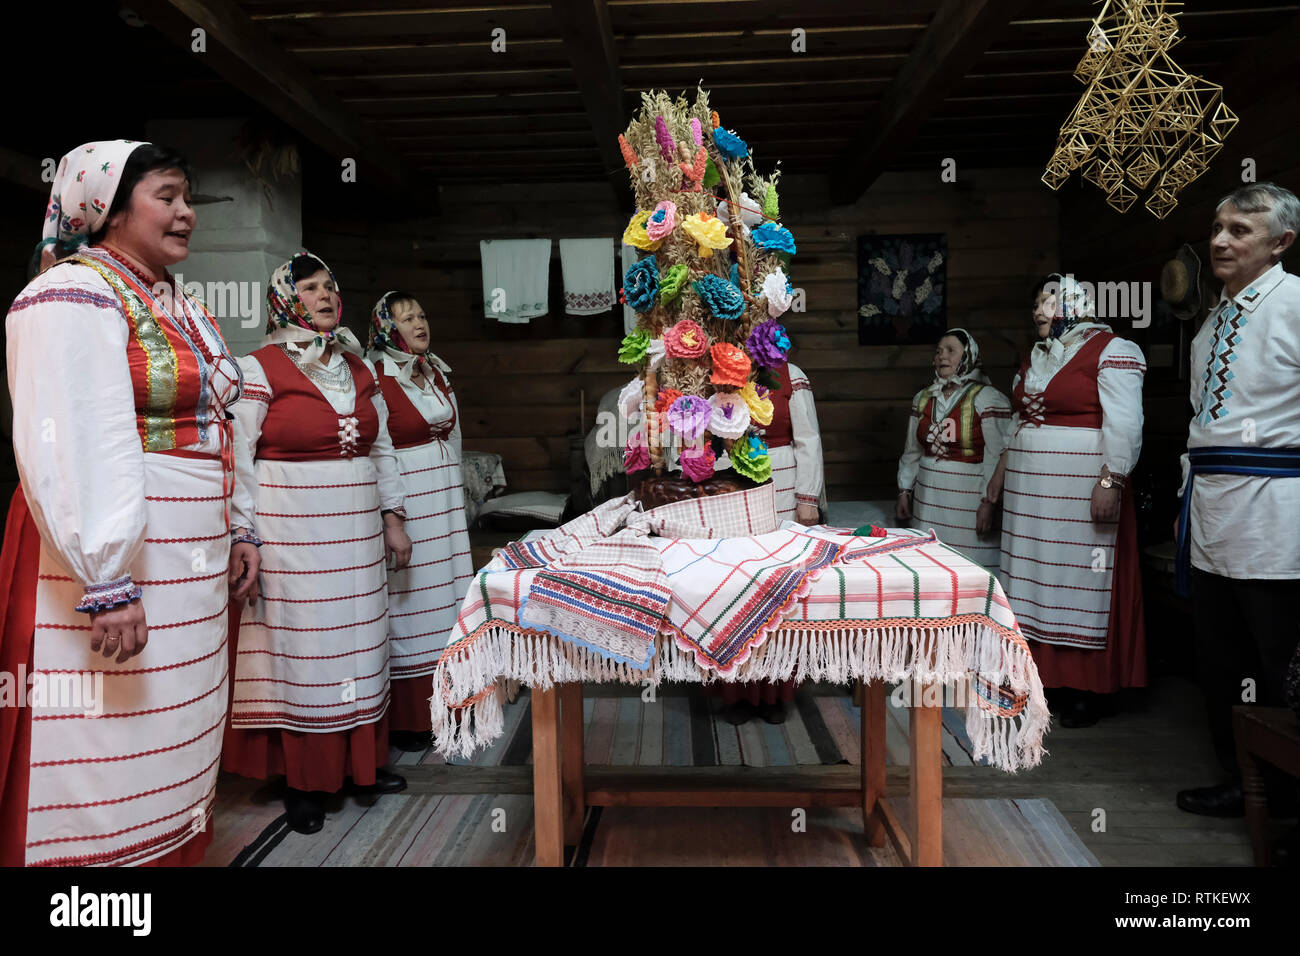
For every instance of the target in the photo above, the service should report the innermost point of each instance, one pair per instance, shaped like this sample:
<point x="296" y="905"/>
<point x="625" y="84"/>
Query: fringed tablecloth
<point x="795" y="603"/>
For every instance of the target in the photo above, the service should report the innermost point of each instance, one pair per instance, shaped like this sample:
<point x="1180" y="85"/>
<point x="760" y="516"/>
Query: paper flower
<point x="634" y="346"/>
<point x="730" y="365"/>
<point x="636" y="456"/>
<point x="698" y="462"/>
<point x="665" y="399"/>
<point x="697" y="132"/>
<point x="671" y="282"/>
<point x="635" y="234"/>
<point x="760" y="406"/>
<point x="743" y="216"/>
<point x="686" y="340"/>
<point x="689" y="416"/>
<point x="777" y="291"/>
<point x="713" y="118"/>
<point x="730" y="417"/>
<point x="641" y="284"/>
<point x="771" y="204"/>
<point x="729" y="144"/>
<point x="768" y="344"/>
<point x="720" y="297"/>
<point x="750" y="458"/>
<point x="655" y="353"/>
<point x="870" y="531"/>
<point x="629" y="154"/>
<point x="711" y="175"/>
<point x="709" y="233"/>
<point x="662" y="221"/>
<point x="629" y="400"/>
<point x="771" y="235"/>
<point x="665" y="139"/>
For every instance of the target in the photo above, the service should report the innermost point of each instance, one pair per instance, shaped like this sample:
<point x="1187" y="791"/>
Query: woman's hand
<point x="903" y="510"/>
<point x="397" y="545"/>
<point x="807" y="515"/>
<point x="119" y="630"/>
<point x="1105" y="503"/>
<point x="984" y="517"/>
<point x="244" y="564"/>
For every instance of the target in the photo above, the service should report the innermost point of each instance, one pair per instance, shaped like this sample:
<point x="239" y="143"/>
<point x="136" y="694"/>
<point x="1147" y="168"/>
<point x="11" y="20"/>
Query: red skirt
<point x="409" y="709"/>
<point x="19" y="560"/>
<point x="1123" y="663"/>
<point x="308" y="761"/>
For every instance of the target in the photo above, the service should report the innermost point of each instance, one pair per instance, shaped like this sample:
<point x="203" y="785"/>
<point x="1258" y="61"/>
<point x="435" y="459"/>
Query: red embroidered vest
<point x="406" y="424"/>
<point x="780" y="433"/>
<point x="959" y="435"/>
<point x="301" y="425"/>
<point x="1071" y="398"/>
<point x="167" y="377"/>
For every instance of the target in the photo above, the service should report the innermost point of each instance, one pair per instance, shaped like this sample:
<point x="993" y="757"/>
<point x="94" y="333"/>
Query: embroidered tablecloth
<point x="808" y="603"/>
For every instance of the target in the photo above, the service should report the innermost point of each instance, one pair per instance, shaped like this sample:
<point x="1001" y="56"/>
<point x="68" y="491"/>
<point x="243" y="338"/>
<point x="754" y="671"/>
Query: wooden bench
<point x="1264" y="735"/>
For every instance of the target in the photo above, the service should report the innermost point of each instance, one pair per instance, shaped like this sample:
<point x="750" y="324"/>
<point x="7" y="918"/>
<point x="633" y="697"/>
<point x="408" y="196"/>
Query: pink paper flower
<point x="636" y="456"/>
<point x="662" y="221"/>
<point x="698" y="462"/>
<point x="686" y="340"/>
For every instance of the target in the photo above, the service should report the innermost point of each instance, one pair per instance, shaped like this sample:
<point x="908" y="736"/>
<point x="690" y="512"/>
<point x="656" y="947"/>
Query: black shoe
<point x="411" y="741"/>
<point x="1081" y="712"/>
<point x="1225" y="800"/>
<point x="304" y="811"/>
<point x="385" y="782"/>
<point x="741" y="712"/>
<point x="772" y="713"/>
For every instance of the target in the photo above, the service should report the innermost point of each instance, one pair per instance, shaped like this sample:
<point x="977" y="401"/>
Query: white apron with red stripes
<point x="424" y="597"/>
<point x="1061" y="594"/>
<point x="784" y="471"/>
<point x="313" y="651"/>
<point x="137" y="781"/>
<point x="945" y="500"/>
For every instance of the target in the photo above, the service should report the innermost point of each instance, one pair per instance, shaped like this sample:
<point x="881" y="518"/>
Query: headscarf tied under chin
<point x="82" y="193"/>
<point x="287" y="318"/>
<point x="968" y="371"/>
<point x="1074" y="304"/>
<point x="385" y="338"/>
<point x="1076" y="313"/>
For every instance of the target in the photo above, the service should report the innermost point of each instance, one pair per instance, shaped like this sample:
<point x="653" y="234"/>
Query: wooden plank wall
<point x="519" y="386"/>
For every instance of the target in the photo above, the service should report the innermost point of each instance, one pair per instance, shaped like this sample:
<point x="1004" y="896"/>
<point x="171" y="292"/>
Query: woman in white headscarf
<point x="311" y="688"/>
<point x="1069" y="533"/>
<point x="423" y="597"/>
<point x="955" y="436"/>
<point x="132" y="517"/>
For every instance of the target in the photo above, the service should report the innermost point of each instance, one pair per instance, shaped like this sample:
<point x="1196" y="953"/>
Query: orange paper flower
<point x="629" y="155"/>
<point x="713" y="117"/>
<point x="665" y="398"/>
<point x="730" y="365"/>
<point x="686" y="340"/>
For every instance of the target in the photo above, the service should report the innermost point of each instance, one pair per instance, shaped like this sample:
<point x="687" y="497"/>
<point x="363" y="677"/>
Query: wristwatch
<point x="1112" y="481"/>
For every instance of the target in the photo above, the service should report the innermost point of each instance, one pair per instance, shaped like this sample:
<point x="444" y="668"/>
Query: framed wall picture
<point x="902" y="288"/>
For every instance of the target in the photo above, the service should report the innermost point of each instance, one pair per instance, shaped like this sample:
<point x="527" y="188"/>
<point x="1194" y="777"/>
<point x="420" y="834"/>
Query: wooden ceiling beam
<point x="959" y="33"/>
<point x="584" y="26"/>
<point x="239" y="51"/>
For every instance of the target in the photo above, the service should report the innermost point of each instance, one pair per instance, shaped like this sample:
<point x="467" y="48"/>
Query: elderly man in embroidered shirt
<point x="1240" y="522"/>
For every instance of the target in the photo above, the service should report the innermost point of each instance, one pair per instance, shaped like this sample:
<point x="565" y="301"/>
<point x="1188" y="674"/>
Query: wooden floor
<point x="1104" y="795"/>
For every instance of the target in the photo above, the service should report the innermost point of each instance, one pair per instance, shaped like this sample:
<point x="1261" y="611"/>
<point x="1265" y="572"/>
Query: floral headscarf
<point x="968" y="371"/>
<point x="1074" y="304"/>
<point x="287" y="318"/>
<point x="386" y="340"/>
<point x="1076" y="314"/>
<point x="84" y="186"/>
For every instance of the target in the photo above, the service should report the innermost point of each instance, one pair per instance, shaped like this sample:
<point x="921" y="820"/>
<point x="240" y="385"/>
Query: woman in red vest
<point x="1069" y="532"/>
<point x="424" y="597"/>
<point x="311" y="688"/>
<point x="120" y="541"/>
<point x="955" y="437"/>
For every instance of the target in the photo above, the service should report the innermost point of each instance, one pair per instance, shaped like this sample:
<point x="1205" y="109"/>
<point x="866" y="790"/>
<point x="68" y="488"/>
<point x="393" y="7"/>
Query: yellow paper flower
<point x="710" y="233"/>
<point x="635" y="234"/>
<point x="760" y="409"/>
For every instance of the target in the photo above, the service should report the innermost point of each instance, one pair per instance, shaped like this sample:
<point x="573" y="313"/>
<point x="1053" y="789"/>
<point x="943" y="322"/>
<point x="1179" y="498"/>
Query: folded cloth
<point x="588" y="269"/>
<point x="809" y="603"/>
<point x="629" y="257"/>
<point x="516" y="278"/>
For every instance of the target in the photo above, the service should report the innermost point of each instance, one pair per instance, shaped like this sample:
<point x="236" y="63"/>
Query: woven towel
<point x="588" y="269"/>
<point x="516" y="278"/>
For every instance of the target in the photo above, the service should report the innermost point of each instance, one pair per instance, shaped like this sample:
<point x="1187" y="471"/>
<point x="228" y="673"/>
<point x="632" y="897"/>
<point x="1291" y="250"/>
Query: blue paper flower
<point x="729" y="144"/>
<point x="721" y="297"/>
<point x="770" y="235"/>
<point x="735" y="274"/>
<point x="641" y="284"/>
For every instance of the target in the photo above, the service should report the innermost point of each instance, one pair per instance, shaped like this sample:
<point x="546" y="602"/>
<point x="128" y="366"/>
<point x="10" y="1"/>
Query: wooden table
<point x="1264" y="735"/>
<point x="561" y="797"/>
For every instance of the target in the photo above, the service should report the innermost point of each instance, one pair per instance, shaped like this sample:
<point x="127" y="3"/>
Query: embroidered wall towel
<point x="516" y="276"/>
<point x="588" y="267"/>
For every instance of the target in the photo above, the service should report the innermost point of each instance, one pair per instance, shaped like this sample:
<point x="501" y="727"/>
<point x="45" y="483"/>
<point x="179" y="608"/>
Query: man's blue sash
<point x="1226" y="460"/>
